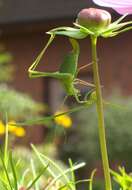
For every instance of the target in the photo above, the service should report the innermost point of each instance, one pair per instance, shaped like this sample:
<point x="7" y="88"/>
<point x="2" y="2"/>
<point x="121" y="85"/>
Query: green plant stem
<point x="100" y="112"/>
<point x="6" y="141"/>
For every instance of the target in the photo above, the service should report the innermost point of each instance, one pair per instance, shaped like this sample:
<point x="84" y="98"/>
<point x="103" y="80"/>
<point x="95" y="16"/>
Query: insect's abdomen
<point x="69" y="64"/>
<point x="69" y="88"/>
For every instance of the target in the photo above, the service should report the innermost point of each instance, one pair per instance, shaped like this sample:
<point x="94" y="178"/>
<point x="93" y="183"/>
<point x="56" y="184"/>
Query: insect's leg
<point x="78" y="100"/>
<point x="79" y="81"/>
<point x="83" y="67"/>
<point x="31" y="69"/>
<point x="77" y="95"/>
<point x="86" y="97"/>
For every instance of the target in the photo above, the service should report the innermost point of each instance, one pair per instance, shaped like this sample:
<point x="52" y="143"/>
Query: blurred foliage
<point x="26" y="154"/>
<point x="6" y="69"/>
<point x="122" y="179"/>
<point x="31" y="169"/>
<point x="18" y="105"/>
<point x="82" y="139"/>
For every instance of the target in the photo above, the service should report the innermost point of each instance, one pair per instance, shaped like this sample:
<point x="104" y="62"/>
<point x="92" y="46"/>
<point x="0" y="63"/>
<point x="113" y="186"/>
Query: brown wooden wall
<point x="115" y="59"/>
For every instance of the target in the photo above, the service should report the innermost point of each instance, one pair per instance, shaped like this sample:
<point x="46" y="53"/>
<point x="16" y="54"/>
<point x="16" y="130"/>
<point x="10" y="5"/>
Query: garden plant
<point x="84" y="130"/>
<point x="90" y="23"/>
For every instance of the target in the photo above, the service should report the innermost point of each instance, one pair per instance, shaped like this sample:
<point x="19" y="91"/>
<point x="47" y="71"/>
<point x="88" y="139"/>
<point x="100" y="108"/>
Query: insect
<point x="68" y="70"/>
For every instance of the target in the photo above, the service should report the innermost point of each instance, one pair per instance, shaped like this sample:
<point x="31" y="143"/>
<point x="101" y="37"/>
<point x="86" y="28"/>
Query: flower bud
<point x="94" y="19"/>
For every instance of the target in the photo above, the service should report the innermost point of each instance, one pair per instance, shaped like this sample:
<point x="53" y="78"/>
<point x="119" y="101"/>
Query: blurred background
<point x="22" y="33"/>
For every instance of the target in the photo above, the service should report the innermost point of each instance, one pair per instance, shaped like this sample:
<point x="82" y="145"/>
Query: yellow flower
<point x="16" y="130"/>
<point x="63" y="120"/>
<point x="11" y="127"/>
<point x="2" y="128"/>
<point x="19" y="132"/>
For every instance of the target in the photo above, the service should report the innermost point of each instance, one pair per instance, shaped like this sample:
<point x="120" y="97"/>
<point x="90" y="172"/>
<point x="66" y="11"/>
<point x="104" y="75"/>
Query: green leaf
<point x="115" y="106"/>
<point x="56" y="166"/>
<point x="37" y="177"/>
<point x="83" y="29"/>
<point x="42" y="161"/>
<point x="123" y="30"/>
<point x="72" y="171"/>
<point x="70" y="32"/>
<point x="118" y="20"/>
<point x="49" y="119"/>
<point x="13" y="171"/>
<point x="5" y="170"/>
<point x="114" y="29"/>
<point x="75" y="167"/>
<point x="91" y="179"/>
<point x="76" y="182"/>
<point x="36" y="185"/>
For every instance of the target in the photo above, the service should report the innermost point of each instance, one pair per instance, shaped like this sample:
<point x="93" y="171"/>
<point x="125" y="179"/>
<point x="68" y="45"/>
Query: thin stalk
<point x="6" y="142"/>
<point x="100" y="112"/>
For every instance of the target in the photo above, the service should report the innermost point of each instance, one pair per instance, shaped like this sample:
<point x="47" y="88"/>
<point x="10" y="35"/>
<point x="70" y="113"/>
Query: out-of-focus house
<point x="23" y="25"/>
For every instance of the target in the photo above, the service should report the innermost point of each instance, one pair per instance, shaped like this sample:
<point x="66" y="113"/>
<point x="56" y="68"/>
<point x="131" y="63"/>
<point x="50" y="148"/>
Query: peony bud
<point x="94" y="19"/>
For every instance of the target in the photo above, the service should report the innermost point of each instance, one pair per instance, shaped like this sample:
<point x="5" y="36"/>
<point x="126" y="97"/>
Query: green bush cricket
<point x="68" y="70"/>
